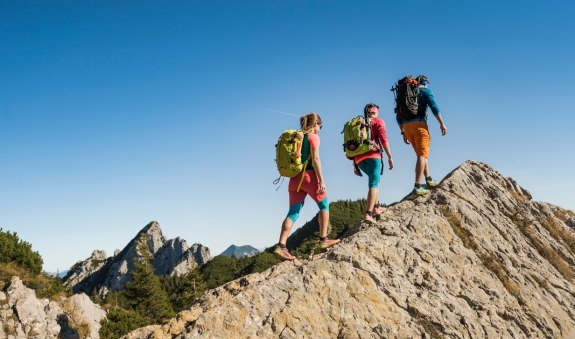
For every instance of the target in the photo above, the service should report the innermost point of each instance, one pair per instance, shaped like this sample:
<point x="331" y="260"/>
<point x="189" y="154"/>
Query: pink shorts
<point x="309" y="186"/>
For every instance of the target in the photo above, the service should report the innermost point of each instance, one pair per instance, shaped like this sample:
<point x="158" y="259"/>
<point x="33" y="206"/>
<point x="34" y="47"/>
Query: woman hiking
<point x="371" y="162"/>
<point x="312" y="184"/>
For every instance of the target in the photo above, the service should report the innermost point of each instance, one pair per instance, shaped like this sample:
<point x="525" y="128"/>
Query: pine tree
<point x="190" y="288"/>
<point x="144" y="292"/>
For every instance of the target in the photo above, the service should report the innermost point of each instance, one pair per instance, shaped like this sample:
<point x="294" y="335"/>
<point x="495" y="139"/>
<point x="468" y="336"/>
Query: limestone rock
<point x="84" y="269"/>
<point x="23" y="315"/>
<point x="172" y="257"/>
<point x="36" y="317"/>
<point x="84" y="315"/>
<point x="196" y="255"/>
<point x="477" y="258"/>
<point x="169" y="255"/>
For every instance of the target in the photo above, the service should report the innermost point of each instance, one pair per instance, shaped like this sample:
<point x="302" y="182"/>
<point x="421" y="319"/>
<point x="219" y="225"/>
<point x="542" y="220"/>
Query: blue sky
<point x="113" y="114"/>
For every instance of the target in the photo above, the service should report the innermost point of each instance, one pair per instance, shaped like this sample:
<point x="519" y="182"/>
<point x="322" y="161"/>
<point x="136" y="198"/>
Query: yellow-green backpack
<point x="357" y="137"/>
<point x="288" y="153"/>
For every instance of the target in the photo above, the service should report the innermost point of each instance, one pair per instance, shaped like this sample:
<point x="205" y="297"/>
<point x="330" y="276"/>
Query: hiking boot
<point x="421" y="191"/>
<point x="283" y="253"/>
<point x="417" y="192"/>
<point x="431" y="184"/>
<point x="327" y="243"/>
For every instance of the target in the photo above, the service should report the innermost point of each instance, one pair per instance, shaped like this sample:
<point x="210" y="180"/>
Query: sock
<point x="322" y="238"/>
<point x="417" y="185"/>
<point x="280" y="245"/>
<point x="428" y="179"/>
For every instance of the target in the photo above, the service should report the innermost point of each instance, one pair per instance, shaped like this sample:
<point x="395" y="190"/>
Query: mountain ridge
<point x="475" y="258"/>
<point x="100" y="274"/>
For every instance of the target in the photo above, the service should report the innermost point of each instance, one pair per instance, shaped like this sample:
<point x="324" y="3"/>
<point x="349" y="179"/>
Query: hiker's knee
<point x="323" y="205"/>
<point x="374" y="180"/>
<point x="294" y="211"/>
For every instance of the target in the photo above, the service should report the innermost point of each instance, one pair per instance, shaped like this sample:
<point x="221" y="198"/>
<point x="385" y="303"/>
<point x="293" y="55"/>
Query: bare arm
<point x="389" y="156"/>
<point x="441" y="124"/>
<point x="317" y="167"/>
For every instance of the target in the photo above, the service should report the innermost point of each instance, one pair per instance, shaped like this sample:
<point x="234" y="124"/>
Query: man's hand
<point x="356" y="170"/>
<point x="390" y="162"/>
<point x="443" y="129"/>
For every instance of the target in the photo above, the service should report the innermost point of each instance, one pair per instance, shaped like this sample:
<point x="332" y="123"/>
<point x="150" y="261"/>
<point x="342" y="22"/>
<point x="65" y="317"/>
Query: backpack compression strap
<point x="302" y="174"/>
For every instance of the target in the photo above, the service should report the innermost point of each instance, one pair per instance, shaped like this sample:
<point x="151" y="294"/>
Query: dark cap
<point x="422" y="79"/>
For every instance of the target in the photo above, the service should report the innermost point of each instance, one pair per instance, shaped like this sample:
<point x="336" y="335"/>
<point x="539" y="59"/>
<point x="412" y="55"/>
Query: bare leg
<point x="426" y="170"/>
<point x="323" y="219"/>
<point x="420" y="168"/>
<point x="286" y="230"/>
<point x="372" y="197"/>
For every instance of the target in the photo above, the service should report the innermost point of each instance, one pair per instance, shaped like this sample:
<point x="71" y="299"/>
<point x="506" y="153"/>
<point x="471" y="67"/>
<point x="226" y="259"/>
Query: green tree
<point x="120" y="322"/>
<point x="187" y="289"/>
<point x="144" y="293"/>
<point x="12" y="249"/>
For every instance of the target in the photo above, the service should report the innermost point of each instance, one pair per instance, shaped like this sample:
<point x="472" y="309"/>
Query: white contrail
<point x="286" y="113"/>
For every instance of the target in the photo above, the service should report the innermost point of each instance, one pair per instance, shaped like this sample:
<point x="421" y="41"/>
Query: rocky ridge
<point x="100" y="274"/>
<point x="475" y="258"/>
<point x="22" y="315"/>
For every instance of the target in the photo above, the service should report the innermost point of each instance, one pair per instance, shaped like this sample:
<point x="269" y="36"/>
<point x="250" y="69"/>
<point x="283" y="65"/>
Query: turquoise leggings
<point x="371" y="167"/>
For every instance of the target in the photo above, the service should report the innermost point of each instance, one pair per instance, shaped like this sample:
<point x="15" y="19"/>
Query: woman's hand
<point x="356" y="170"/>
<point x="390" y="162"/>
<point x="321" y="189"/>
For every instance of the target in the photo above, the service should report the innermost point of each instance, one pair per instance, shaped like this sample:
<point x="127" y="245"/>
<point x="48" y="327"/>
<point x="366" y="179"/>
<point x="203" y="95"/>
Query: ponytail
<point x="308" y="121"/>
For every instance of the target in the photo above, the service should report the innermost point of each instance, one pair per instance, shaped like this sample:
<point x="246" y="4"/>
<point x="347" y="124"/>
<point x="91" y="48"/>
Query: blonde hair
<point x="309" y="121"/>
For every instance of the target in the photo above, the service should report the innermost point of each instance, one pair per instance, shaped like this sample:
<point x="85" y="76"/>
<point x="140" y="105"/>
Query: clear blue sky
<point x="116" y="113"/>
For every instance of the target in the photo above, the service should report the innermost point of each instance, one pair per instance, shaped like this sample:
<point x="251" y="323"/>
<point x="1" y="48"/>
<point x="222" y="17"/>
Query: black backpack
<point x="406" y="93"/>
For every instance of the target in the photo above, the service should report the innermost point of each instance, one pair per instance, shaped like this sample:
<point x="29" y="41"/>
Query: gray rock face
<point x="196" y="255"/>
<point x="474" y="259"/>
<point x="169" y="255"/>
<point x="22" y="315"/>
<point x="172" y="257"/>
<point x="84" y="269"/>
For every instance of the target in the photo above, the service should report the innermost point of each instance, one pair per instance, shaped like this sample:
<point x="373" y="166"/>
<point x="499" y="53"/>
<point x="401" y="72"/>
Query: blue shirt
<point x="426" y="99"/>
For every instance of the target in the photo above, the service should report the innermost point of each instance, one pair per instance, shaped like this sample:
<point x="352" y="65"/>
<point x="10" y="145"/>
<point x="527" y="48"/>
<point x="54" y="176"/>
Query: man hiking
<point x="415" y="132"/>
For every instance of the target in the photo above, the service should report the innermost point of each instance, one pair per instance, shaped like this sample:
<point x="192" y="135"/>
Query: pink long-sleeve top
<point x="379" y="135"/>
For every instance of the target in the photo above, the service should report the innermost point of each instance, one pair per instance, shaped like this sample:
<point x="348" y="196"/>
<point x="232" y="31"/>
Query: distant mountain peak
<point x="240" y="251"/>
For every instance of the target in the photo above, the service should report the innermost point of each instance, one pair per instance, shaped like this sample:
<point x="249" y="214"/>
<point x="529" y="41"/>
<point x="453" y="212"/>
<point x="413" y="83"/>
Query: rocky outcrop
<point x="196" y="255"/>
<point x="83" y="315"/>
<point x="477" y="258"/>
<point x="173" y="257"/>
<point x="83" y="269"/>
<point x="22" y="315"/>
<point x="240" y="251"/>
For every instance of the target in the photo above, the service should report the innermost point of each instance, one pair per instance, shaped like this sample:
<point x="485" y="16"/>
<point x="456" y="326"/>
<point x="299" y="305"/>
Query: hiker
<point x="371" y="162"/>
<point x="309" y="182"/>
<point x="415" y="132"/>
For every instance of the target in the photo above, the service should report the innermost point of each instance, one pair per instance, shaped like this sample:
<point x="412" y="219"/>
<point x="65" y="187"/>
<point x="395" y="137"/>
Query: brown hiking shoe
<point x="283" y="253"/>
<point x="327" y="243"/>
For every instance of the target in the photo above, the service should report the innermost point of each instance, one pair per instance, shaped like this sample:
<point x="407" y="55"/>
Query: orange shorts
<point x="418" y="136"/>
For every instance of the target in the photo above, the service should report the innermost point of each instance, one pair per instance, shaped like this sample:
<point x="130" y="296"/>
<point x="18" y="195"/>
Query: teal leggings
<point x="371" y="167"/>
